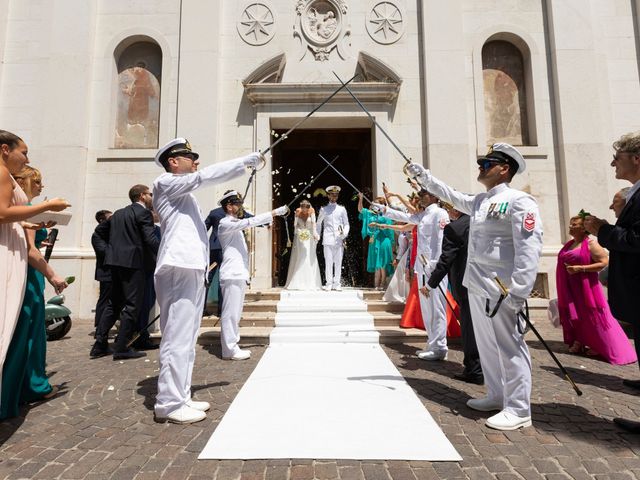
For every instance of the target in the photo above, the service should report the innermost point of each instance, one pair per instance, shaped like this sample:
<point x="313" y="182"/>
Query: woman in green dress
<point x="380" y="254"/>
<point x="24" y="378"/>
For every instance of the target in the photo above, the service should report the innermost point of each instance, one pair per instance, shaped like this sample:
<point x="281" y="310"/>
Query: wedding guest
<point x="587" y="323"/>
<point x="380" y="252"/>
<point x="102" y="274"/>
<point x="623" y="242"/>
<point x="24" y="378"/>
<point x="617" y="204"/>
<point x="13" y="245"/>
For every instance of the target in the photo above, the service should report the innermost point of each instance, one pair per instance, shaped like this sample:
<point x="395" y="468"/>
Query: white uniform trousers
<point x="180" y="294"/>
<point x="333" y="264"/>
<point x="233" y="301"/>
<point x="505" y="359"/>
<point x="434" y="316"/>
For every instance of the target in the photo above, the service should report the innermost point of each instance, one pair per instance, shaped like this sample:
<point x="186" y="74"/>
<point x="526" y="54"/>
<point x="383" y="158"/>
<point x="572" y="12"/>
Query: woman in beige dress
<point x="13" y="245"/>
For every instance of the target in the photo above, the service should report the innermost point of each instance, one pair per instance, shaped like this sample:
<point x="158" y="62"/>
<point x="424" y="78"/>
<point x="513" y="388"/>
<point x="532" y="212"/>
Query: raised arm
<point x="229" y="225"/>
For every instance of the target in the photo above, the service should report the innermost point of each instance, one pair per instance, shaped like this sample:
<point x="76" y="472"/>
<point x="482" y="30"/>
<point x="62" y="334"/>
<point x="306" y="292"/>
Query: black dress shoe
<point x="635" y="384"/>
<point x="628" y="425"/>
<point x="127" y="354"/>
<point x="476" y="379"/>
<point x="145" y="345"/>
<point x="100" y="350"/>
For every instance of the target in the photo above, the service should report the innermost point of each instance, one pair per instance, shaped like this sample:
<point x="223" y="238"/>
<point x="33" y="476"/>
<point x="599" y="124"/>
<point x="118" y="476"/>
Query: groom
<point x="333" y="223"/>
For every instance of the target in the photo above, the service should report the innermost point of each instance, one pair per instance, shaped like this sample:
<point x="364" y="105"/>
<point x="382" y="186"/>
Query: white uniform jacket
<point x="333" y="218"/>
<point x="235" y="263"/>
<point x="505" y="237"/>
<point x="184" y="236"/>
<point x="430" y="224"/>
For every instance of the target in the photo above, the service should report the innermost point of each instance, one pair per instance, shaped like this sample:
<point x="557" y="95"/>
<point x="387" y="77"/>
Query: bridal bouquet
<point x="304" y="234"/>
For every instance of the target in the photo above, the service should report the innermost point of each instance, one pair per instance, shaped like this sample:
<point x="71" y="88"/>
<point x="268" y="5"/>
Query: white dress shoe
<point x="184" y="414"/>
<point x="239" y="355"/>
<point x="326" y="288"/>
<point x="432" y="356"/>
<point x="507" y="421"/>
<point x="338" y="288"/>
<point x="484" y="404"/>
<point x="201" y="406"/>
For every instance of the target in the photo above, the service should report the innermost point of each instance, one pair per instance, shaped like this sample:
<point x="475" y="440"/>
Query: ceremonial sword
<point x="364" y="109"/>
<point x="300" y="122"/>
<point x="343" y="177"/>
<point x="313" y="179"/>
<point x="521" y="314"/>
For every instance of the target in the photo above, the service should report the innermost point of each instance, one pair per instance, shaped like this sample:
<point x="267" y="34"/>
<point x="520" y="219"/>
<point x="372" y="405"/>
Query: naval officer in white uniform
<point x="333" y="224"/>
<point x="433" y="304"/>
<point x="180" y="270"/>
<point x="234" y="271"/>
<point x="505" y="241"/>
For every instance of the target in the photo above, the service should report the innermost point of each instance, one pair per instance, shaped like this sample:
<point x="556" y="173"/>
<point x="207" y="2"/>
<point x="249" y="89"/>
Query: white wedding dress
<point x="304" y="272"/>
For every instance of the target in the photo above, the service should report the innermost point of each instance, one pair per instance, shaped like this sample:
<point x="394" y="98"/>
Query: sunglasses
<point x="487" y="164"/>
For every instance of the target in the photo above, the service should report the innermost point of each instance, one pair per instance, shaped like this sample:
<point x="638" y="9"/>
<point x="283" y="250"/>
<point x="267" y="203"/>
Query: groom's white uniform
<point x="234" y="276"/>
<point x="333" y="223"/>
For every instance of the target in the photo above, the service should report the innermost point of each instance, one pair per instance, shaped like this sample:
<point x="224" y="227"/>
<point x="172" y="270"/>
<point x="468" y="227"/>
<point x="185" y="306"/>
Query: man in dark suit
<point x="453" y="261"/>
<point x="131" y="253"/>
<point x="623" y="242"/>
<point x="103" y="274"/>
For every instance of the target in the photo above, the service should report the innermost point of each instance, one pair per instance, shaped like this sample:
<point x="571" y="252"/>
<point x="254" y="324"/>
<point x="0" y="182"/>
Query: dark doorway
<point x="295" y="161"/>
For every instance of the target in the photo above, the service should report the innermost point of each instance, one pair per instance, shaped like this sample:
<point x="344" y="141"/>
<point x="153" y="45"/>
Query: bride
<point x="304" y="272"/>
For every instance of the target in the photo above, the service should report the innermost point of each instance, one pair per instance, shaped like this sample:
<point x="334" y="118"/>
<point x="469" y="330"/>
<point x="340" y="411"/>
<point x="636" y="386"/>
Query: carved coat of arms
<point x="322" y="27"/>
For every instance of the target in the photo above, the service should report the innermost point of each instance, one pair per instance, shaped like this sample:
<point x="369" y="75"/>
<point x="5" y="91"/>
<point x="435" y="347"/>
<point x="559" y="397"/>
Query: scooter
<point x="57" y="317"/>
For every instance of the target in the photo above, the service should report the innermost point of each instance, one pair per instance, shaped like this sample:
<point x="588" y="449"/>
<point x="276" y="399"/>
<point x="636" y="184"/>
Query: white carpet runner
<point x="325" y="389"/>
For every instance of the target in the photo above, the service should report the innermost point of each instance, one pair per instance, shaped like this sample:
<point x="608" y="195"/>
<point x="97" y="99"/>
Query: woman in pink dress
<point x="587" y="323"/>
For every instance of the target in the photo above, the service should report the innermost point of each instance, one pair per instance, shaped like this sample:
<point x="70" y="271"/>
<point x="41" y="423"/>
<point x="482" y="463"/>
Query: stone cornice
<point x="310" y="93"/>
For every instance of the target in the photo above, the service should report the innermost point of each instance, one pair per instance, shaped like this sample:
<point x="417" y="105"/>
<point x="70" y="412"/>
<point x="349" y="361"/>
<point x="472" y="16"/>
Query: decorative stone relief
<point x="257" y="24"/>
<point x="385" y="23"/>
<point x="322" y="27"/>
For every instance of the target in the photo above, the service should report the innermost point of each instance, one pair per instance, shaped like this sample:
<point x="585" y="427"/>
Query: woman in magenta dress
<point x="587" y="323"/>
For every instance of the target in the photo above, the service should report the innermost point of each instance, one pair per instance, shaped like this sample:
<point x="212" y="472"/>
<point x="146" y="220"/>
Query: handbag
<point x="553" y="313"/>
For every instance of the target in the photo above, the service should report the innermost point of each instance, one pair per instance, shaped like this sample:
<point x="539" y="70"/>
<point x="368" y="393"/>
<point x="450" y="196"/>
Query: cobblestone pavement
<point x="101" y="426"/>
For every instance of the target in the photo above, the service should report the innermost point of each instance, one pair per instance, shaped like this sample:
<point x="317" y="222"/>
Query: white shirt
<point x="333" y="223"/>
<point x="235" y="257"/>
<point x="505" y="237"/>
<point x="184" y="236"/>
<point x="430" y="224"/>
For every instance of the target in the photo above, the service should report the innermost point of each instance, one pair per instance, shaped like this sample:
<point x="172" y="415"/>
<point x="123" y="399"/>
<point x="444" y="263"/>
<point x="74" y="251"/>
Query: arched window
<point x="138" y="95"/>
<point x="505" y="96"/>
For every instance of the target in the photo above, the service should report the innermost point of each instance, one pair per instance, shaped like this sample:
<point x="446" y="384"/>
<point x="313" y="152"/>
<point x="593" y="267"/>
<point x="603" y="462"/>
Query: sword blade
<point x="344" y="178"/>
<point x="311" y="182"/>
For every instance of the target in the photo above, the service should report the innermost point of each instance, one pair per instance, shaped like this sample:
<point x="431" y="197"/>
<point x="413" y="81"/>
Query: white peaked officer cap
<point x="333" y="189"/>
<point x="505" y="153"/>
<point x="227" y="197"/>
<point x="175" y="147"/>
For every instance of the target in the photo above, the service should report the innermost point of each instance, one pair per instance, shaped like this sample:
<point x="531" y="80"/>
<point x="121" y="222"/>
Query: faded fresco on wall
<point x="504" y="94"/>
<point x="138" y="99"/>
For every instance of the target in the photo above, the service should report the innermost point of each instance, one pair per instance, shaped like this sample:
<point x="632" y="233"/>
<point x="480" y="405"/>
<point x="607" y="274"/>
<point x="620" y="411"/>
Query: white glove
<point x="253" y="160"/>
<point x="415" y="169"/>
<point x="378" y="207"/>
<point x="514" y="302"/>
<point x="281" y="211"/>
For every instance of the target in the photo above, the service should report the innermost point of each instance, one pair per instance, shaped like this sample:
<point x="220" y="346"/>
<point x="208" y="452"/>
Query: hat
<point x="174" y="147"/>
<point x="504" y="152"/>
<point x="333" y="189"/>
<point x="229" y="197"/>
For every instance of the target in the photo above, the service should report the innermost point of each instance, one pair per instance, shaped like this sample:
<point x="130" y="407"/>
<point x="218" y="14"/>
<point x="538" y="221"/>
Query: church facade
<point x="95" y="86"/>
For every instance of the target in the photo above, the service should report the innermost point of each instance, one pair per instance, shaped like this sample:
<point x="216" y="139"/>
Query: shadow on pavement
<point x="148" y="388"/>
